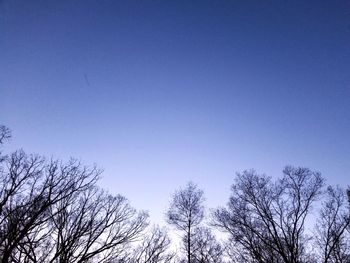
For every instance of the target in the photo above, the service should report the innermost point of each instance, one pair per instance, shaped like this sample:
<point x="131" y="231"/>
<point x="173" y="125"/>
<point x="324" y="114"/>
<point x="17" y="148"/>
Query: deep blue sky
<point x="162" y="92"/>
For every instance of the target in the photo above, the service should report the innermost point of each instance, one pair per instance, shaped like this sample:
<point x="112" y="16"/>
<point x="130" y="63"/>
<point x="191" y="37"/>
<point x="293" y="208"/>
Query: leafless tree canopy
<point x="266" y="219"/>
<point x="206" y="249"/>
<point x="332" y="237"/>
<point x="186" y="212"/>
<point x="5" y="134"/>
<point x="153" y="248"/>
<point x="54" y="212"/>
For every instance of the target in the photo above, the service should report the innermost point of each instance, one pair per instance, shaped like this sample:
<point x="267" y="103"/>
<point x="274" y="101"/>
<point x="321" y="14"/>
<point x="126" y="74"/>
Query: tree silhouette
<point x="52" y="211"/>
<point x="186" y="212"/>
<point x="266" y="219"/>
<point x="153" y="248"/>
<point x="205" y="247"/>
<point x="331" y="235"/>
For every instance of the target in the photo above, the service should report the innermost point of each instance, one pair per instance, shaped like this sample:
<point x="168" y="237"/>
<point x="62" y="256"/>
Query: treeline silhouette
<point x="54" y="211"/>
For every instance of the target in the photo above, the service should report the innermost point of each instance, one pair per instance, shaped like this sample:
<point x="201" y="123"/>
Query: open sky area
<point x="158" y="93"/>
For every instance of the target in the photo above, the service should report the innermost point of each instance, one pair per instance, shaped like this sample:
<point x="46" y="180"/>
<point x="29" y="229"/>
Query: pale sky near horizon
<point x="159" y="93"/>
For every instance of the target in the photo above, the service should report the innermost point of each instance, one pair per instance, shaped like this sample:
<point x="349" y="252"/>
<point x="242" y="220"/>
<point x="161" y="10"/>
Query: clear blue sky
<point x="162" y="92"/>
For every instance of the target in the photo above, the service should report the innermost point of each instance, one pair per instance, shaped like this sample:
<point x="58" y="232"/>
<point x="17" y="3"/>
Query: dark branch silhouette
<point x="266" y="219"/>
<point x="206" y="249"/>
<point x="186" y="212"/>
<point x="331" y="235"/>
<point x="154" y="248"/>
<point x="52" y="211"/>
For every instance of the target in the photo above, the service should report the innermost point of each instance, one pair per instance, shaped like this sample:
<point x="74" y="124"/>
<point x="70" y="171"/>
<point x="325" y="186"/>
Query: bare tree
<point x="186" y="213"/>
<point x="29" y="187"/>
<point x="266" y="219"/>
<point x="5" y="134"/>
<point x="331" y="236"/>
<point x="206" y="249"/>
<point x="348" y="197"/>
<point x="52" y="211"/>
<point x="93" y="226"/>
<point x="154" y="248"/>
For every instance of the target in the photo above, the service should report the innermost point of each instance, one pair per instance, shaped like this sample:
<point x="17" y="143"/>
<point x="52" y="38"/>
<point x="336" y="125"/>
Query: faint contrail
<point x="87" y="80"/>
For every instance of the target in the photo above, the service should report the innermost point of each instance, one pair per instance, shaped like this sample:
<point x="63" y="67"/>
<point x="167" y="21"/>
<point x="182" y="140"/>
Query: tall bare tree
<point x="186" y="213"/>
<point x="93" y="226"/>
<point x="52" y="211"/>
<point x="266" y="218"/>
<point x="29" y="187"/>
<point x="331" y="237"/>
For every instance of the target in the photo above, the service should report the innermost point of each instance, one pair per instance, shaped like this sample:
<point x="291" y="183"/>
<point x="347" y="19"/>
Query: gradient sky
<point x="162" y="92"/>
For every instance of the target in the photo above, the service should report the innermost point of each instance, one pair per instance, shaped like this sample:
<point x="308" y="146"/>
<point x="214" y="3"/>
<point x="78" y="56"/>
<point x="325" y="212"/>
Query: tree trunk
<point x="189" y="244"/>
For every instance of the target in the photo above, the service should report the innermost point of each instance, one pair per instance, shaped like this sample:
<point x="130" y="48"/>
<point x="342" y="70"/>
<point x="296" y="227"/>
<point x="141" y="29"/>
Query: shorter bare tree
<point x="332" y="238"/>
<point x="206" y="249"/>
<point x="186" y="212"/>
<point x="154" y="248"/>
<point x="348" y="198"/>
<point x="266" y="219"/>
<point x="5" y="134"/>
